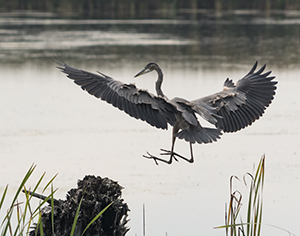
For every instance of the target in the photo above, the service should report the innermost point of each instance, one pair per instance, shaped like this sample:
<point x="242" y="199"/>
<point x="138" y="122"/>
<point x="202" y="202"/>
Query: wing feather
<point x="140" y="104"/>
<point x="240" y="104"/>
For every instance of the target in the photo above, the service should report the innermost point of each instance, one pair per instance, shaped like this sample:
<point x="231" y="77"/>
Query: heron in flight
<point x="237" y="106"/>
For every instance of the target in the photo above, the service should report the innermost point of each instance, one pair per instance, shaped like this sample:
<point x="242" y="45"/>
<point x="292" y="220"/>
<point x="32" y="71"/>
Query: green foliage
<point x="252" y="227"/>
<point x="24" y="212"/>
<point x="96" y="217"/>
<point x="76" y="217"/>
<point x="254" y="215"/>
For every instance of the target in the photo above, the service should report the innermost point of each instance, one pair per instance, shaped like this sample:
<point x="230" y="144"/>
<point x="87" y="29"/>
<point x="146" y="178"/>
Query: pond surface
<point x="49" y="121"/>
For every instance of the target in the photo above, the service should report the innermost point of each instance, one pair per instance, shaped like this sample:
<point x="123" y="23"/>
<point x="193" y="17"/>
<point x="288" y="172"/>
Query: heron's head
<point x="148" y="68"/>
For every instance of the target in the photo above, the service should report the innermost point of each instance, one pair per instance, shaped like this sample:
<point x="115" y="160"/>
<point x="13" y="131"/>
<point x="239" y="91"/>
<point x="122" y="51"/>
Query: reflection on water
<point x="48" y="120"/>
<point x="238" y="37"/>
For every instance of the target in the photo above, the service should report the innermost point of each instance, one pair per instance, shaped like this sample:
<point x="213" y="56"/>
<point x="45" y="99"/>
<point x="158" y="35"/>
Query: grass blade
<point x="254" y="207"/>
<point x="96" y="217"/>
<point x="26" y="177"/>
<point x="41" y="225"/>
<point x="8" y="216"/>
<point x="38" y="183"/>
<point x="76" y="217"/>
<point x="3" y="196"/>
<point x="52" y="209"/>
<point x="50" y="181"/>
<point x="23" y="211"/>
<point x="36" y="211"/>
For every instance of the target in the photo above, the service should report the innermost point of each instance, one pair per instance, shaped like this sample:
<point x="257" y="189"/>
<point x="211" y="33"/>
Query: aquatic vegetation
<point x="234" y="224"/>
<point x="23" y="213"/>
<point x="100" y="195"/>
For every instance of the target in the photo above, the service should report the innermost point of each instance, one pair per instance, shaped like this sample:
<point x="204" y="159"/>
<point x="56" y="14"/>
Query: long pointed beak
<point x="142" y="72"/>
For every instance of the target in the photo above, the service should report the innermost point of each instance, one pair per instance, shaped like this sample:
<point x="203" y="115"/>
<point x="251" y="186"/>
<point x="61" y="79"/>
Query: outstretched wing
<point x="242" y="103"/>
<point x="140" y="104"/>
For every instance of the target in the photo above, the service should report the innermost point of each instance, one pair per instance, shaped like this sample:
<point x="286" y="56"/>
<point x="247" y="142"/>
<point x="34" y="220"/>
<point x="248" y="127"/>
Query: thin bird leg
<point x="150" y="156"/>
<point x="173" y="154"/>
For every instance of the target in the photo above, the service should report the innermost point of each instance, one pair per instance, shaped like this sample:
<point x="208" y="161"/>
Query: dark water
<point x="47" y="120"/>
<point x="231" y="37"/>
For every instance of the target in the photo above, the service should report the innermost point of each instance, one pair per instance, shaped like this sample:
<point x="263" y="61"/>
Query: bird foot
<point x="172" y="155"/>
<point x="155" y="158"/>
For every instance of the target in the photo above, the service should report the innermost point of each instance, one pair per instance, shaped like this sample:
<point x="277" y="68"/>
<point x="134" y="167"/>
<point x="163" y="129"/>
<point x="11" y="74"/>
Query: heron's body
<point x="235" y="107"/>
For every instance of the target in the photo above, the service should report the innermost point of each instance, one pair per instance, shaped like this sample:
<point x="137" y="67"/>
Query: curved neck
<point x="159" y="82"/>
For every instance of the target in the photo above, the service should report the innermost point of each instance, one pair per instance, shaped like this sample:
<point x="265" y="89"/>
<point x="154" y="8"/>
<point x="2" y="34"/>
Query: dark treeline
<point x="139" y="9"/>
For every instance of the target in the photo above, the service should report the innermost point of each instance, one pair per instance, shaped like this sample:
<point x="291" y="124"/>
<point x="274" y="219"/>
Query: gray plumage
<point x="240" y="104"/>
<point x="234" y="108"/>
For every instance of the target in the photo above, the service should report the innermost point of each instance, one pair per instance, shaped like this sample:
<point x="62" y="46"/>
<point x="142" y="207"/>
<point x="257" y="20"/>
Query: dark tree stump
<point x="97" y="193"/>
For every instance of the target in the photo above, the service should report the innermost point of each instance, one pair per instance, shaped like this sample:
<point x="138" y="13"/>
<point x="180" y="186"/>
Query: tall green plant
<point x="21" y="212"/>
<point x="252" y="226"/>
<point x="255" y="201"/>
<point x="233" y="222"/>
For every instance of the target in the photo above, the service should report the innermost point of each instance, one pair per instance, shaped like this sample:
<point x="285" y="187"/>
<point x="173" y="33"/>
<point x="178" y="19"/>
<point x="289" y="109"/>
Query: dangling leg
<point x="171" y="153"/>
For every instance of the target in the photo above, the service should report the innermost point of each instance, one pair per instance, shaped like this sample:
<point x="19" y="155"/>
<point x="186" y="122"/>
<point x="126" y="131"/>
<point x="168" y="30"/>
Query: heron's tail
<point x="199" y="134"/>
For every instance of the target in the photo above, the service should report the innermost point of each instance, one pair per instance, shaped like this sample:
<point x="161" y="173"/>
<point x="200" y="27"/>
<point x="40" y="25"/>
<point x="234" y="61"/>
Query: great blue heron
<point x="234" y="108"/>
